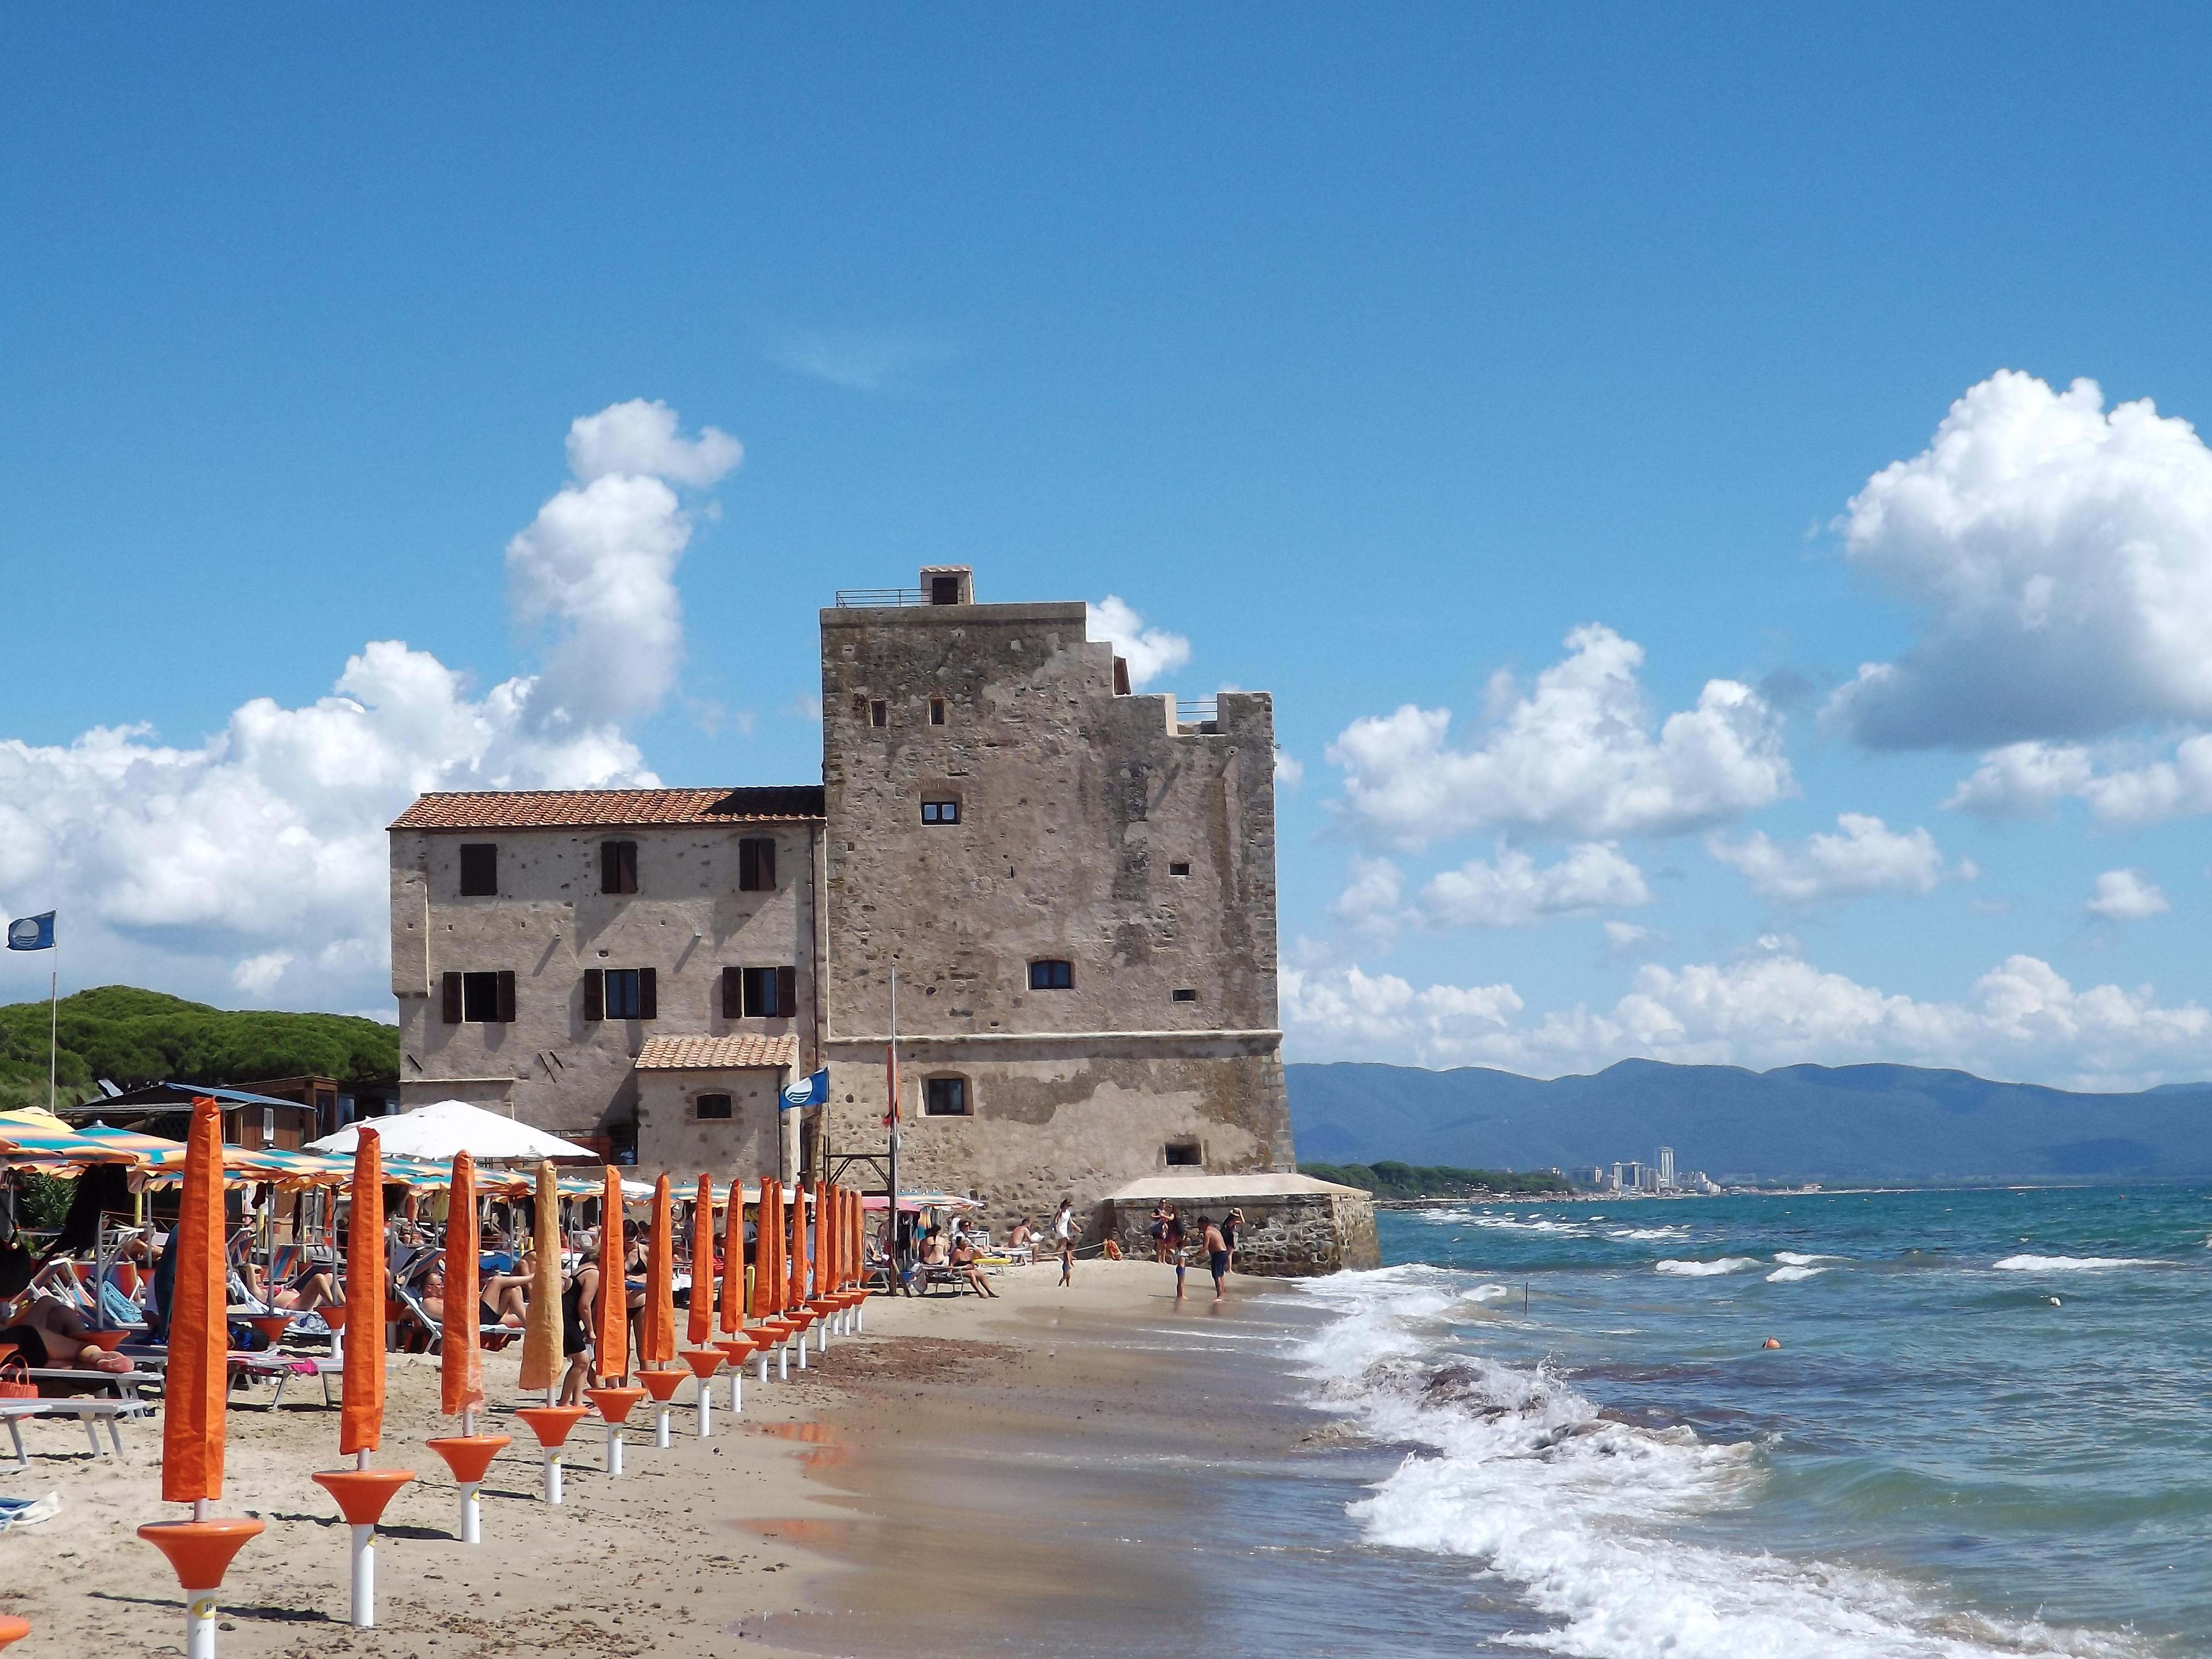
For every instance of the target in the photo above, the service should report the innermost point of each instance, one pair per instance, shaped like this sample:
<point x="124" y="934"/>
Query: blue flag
<point x="32" y="933"/>
<point x="807" y="1091"/>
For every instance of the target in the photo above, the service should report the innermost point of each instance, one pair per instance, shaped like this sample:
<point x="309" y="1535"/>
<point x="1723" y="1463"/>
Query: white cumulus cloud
<point x="2063" y="556"/>
<point x="2021" y="1020"/>
<point x="1149" y="651"/>
<point x="1512" y="891"/>
<point x="2125" y="896"/>
<point x="1868" y="857"/>
<point x="2029" y="780"/>
<point x="1578" y="755"/>
<point x="255" y="859"/>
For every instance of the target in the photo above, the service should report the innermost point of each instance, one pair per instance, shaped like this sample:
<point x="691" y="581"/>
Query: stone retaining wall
<point x="1299" y="1236"/>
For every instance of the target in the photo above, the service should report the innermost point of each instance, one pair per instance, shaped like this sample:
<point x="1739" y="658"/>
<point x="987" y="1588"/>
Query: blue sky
<point x="1372" y="351"/>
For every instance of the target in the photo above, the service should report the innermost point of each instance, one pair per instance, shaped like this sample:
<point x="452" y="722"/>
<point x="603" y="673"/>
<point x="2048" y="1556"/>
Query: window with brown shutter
<point x="769" y="993"/>
<point x="786" y="992"/>
<point x="479" y="869"/>
<point x="648" y="1003"/>
<point x="618" y="867"/>
<point x="505" y="1014"/>
<point x="756" y="865"/>
<point x="734" y="993"/>
<point x="450" y="989"/>
<point x="595" y="993"/>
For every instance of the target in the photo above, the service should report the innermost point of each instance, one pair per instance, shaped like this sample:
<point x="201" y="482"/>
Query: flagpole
<point x="890" y="1081"/>
<point x="53" y="1020"/>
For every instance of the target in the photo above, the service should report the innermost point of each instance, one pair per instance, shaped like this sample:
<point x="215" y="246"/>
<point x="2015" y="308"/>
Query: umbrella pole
<point x="614" y="1450"/>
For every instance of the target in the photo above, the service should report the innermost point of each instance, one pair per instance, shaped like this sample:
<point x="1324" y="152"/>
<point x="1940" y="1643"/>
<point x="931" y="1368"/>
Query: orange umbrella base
<point x="662" y="1385"/>
<point x="469" y="1455"/>
<point x="201" y="1552"/>
<point x="614" y="1404"/>
<point x="13" y="1630"/>
<point x="272" y="1327"/>
<point x="333" y="1314"/>
<point x="703" y="1362"/>
<point x="361" y="1494"/>
<point x="551" y="1424"/>
<point x="736" y="1349"/>
<point x="108" y="1342"/>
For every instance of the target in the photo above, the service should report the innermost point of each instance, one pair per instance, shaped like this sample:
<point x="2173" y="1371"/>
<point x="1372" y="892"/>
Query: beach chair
<point x="89" y="1412"/>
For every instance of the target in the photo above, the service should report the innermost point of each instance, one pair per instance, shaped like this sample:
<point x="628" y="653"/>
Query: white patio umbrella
<point x="445" y="1127"/>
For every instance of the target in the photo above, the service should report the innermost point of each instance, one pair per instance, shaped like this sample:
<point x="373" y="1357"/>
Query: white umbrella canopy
<point x="447" y="1127"/>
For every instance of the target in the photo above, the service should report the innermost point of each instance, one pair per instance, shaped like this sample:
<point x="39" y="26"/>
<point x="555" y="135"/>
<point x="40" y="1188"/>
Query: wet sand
<point x="1039" y="1473"/>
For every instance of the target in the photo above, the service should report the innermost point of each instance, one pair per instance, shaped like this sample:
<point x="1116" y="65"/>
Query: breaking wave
<point x="1520" y="1472"/>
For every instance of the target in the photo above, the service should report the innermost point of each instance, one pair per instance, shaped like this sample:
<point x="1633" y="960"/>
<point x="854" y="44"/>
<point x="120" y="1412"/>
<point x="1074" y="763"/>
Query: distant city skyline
<point x="1717" y="497"/>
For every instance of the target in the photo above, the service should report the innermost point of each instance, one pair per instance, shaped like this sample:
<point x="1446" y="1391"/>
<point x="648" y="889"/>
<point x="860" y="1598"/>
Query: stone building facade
<point x="635" y="970"/>
<point x="1076" y="885"/>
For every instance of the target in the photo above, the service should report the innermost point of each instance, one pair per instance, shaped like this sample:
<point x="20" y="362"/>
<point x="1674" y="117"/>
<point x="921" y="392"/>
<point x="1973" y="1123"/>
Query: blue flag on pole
<point x="807" y="1091"/>
<point x="32" y="932"/>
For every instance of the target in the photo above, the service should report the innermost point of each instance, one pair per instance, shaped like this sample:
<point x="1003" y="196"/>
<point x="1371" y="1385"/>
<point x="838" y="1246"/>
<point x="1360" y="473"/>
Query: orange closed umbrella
<point x="461" y="1361"/>
<point x="797" y="1296"/>
<point x="733" y="1260"/>
<point x="699" y="1323"/>
<point x="197" y="1387"/>
<point x="656" y="1327"/>
<point x="768" y="1252"/>
<point x="613" y="1358"/>
<point x="821" y="1238"/>
<point x="541" y="1323"/>
<point x="197" y="1390"/>
<point x="360" y="1417"/>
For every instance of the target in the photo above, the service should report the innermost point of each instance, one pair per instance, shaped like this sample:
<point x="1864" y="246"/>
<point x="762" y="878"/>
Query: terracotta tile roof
<point x="547" y="809"/>
<point x="715" y="1054"/>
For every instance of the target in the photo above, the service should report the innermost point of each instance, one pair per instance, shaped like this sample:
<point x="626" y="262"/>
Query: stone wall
<point x="1295" y="1236"/>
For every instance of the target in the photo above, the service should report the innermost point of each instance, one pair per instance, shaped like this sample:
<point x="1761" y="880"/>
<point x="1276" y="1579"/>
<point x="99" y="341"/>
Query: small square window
<point x="880" y="713"/>
<point x="480" y="999"/>
<point x="479" y="869"/>
<point x="1184" y="1155"/>
<point x="1180" y="868"/>
<point x="944" y="1096"/>
<point x="1052" y="975"/>
<point x="940" y="812"/>
<point x="937" y="711"/>
<point x="712" y="1106"/>
<point x="944" y="590"/>
<point x="1183" y="993"/>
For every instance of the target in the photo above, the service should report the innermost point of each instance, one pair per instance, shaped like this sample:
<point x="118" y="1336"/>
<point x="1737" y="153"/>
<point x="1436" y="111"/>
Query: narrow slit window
<point x="880" y="713"/>
<point x="1052" y="975"/>
<point x="937" y="711"/>
<point x="940" y="812"/>
<point x="1184" y="993"/>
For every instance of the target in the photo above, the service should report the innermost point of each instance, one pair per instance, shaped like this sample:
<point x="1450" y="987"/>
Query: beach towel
<point x="29" y="1511"/>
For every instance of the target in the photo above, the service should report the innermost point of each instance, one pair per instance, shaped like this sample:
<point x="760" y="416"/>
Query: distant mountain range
<point x="1849" y="1123"/>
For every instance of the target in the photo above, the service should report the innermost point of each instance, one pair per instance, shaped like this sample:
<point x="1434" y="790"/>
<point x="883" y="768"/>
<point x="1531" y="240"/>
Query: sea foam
<point x="1521" y="1473"/>
<point x="2074" y="1264"/>
<point x="1727" y="1264"/>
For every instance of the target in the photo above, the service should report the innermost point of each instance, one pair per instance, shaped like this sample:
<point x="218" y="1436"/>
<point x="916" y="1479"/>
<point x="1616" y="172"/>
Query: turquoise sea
<point x="1985" y="1430"/>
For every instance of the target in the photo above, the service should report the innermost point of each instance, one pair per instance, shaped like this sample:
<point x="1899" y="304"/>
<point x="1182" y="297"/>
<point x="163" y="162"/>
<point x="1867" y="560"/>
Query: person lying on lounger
<point x="963" y="1261"/>
<point x="45" y="1332"/>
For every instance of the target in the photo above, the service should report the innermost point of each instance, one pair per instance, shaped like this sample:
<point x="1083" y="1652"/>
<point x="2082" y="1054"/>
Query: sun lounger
<point x="87" y="1410"/>
<point x="126" y="1384"/>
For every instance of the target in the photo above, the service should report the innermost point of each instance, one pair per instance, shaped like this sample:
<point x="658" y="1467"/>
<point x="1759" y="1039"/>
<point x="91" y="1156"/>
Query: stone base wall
<point x="1302" y="1235"/>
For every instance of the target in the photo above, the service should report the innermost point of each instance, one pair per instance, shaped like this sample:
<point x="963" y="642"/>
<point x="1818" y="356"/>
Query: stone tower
<point x="1077" y="888"/>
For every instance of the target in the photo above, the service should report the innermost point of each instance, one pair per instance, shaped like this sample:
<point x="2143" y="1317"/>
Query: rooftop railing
<point x="850" y="599"/>
<point x="1196" y="711"/>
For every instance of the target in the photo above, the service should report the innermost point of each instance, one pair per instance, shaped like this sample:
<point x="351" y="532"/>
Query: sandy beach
<point x="923" y="1490"/>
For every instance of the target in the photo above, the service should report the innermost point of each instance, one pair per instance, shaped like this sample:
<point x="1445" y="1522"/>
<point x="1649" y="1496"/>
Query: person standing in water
<point x="1216" y="1252"/>
<point x="1064" y="1228"/>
